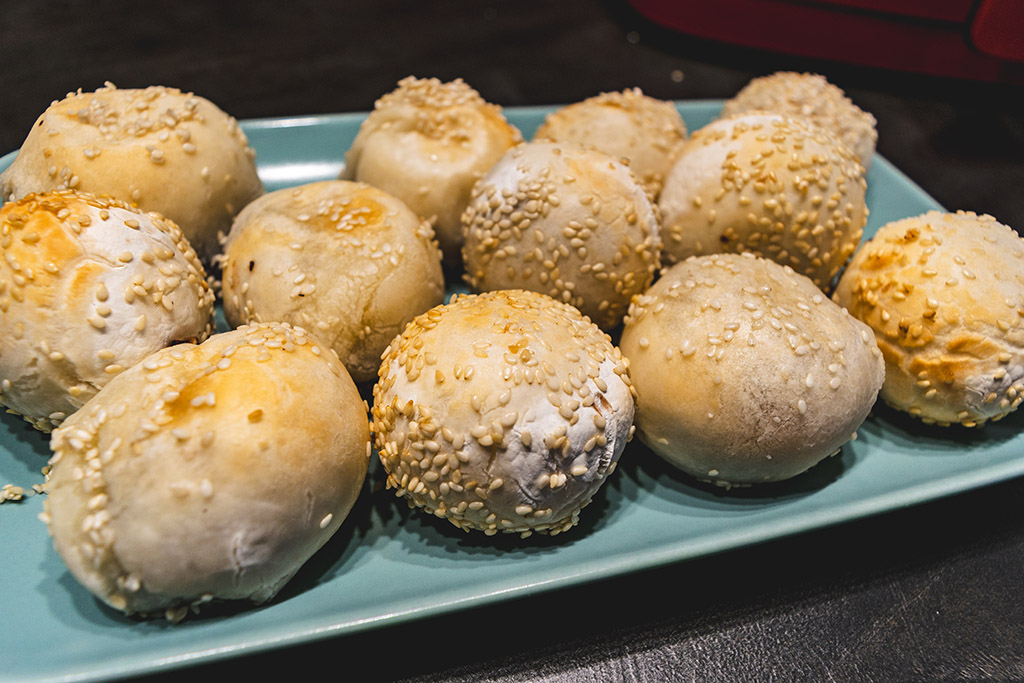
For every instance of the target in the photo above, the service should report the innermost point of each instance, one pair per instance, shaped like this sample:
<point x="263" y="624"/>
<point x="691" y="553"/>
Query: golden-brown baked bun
<point x="944" y="294"/>
<point x="745" y="372"/>
<point x="647" y="132"/>
<point x="158" y="148"/>
<point x="89" y="287"/>
<point x="427" y="142"/>
<point x="503" y="412"/>
<point x="208" y="472"/>
<point x="566" y="221"/>
<point x="348" y="261"/>
<point x="769" y="184"/>
<point x="813" y="97"/>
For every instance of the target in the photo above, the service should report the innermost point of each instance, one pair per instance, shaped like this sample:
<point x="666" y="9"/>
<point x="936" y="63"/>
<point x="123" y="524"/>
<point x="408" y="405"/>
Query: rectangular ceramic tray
<point x="388" y="565"/>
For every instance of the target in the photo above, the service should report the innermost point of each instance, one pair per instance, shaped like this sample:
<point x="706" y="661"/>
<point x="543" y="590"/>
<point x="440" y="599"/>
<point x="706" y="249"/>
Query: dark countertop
<point x="926" y="593"/>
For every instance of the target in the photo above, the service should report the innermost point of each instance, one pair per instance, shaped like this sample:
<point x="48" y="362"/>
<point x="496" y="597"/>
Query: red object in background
<point x="980" y="40"/>
<point x="998" y="28"/>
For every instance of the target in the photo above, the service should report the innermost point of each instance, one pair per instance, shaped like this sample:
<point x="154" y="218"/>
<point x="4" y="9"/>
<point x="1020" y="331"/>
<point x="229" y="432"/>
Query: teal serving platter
<point x="389" y="564"/>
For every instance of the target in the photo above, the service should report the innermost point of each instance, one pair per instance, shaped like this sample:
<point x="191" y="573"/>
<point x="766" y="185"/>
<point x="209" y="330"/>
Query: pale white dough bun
<point x="427" y="142"/>
<point x="348" y="261"/>
<point x="566" y="221"/>
<point x="745" y="372"/>
<point x="813" y="97"/>
<point x="944" y="294"/>
<point x="89" y="287"/>
<point x="502" y="412"/>
<point x="208" y="472"/>
<point x="648" y="133"/>
<point x="157" y="148"/>
<point x="770" y="184"/>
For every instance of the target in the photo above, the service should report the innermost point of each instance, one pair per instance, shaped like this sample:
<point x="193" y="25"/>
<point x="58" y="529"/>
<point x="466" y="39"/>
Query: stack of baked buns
<point x="176" y="477"/>
<point x="709" y="291"/>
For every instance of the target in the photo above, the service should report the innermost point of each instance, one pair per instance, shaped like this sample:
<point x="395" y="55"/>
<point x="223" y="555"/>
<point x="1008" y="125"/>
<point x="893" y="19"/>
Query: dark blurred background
<point x="927" y="593"/>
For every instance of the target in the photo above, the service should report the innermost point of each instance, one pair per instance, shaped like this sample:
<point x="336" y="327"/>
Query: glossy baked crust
<point x="944" y="294"/>
<point x="502" y="412"/>
<point x="346" y="260"/>
<point x="745" y="372"/>
<point x="89" y="287"/>
<point x="209" y="471"/>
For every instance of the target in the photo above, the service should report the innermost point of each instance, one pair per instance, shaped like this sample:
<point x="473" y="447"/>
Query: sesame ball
<point x="813" y="97"/>
<point x="769" y="184"/>
<point x="944" y="295"/>
<point x="89" y="286"/>
<point x="157" y="148"/>
<point x="647" y="132"/>
<point x="426" y="142"/>
<point x="349" y="261"/>
<point x="208" y="472"/>
<point x="745" y="372"/>
<point x="502" y="412"/>
<point x="566" y="221"/>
